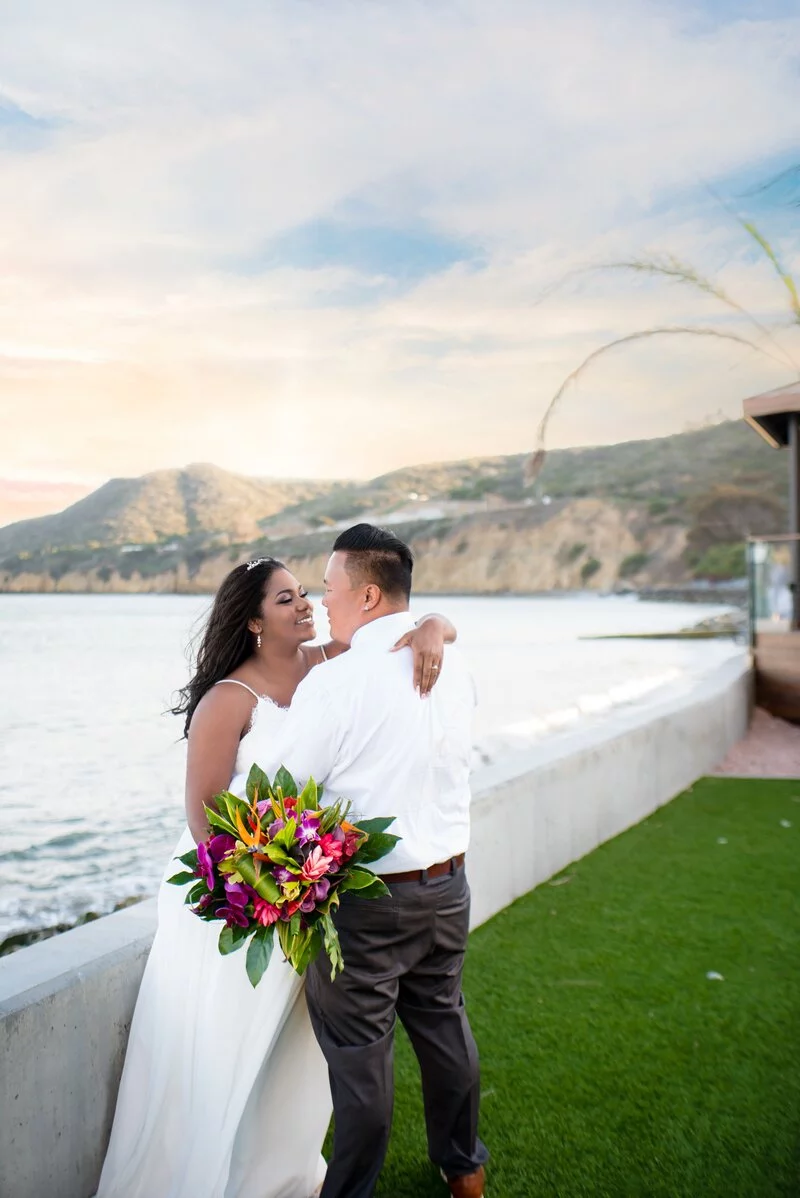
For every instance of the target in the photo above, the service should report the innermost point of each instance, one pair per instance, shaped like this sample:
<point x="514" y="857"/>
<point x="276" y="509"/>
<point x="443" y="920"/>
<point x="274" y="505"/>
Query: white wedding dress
<point x="224" y="1093"/>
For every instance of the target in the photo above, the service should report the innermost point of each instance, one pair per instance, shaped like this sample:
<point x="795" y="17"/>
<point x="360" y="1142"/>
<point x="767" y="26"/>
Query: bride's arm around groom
<point x="357" y="727"/>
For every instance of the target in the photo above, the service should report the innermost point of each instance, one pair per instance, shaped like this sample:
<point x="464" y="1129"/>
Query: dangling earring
<point x="258" y="640"/>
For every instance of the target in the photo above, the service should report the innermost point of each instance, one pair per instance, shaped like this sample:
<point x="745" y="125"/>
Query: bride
<point x="224" y="1093"/>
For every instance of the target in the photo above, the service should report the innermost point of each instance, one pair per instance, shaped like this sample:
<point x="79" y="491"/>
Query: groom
<point x="358" y="727"/>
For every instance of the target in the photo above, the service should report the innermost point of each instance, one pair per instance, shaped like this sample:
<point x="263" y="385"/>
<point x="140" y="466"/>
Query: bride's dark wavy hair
<point x="226" y="640"/>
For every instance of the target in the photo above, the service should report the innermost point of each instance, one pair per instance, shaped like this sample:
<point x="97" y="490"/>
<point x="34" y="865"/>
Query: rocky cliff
<point x="568" y="545"/>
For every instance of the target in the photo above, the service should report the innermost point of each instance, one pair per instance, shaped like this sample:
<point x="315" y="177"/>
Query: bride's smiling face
<point x="287" y="614"/>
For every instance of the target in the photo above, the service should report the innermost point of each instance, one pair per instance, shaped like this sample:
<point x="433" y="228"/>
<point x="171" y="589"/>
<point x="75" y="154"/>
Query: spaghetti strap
<point x="238" y="683"/>
<point x="324" y="654"/>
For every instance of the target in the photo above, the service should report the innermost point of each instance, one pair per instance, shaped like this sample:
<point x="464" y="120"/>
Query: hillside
<point x="648" y="513"/>
<point x="673" y="468"/>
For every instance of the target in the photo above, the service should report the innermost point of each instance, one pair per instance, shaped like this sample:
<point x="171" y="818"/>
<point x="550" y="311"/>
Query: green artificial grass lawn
<point x="611" y="1064"/>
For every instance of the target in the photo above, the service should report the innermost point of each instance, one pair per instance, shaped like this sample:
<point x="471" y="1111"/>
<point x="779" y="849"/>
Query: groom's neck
<point x="383" y="609"/>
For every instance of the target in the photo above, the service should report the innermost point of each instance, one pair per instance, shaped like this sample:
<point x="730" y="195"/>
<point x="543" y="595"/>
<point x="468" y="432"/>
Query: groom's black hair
<point x="377" y="555"/>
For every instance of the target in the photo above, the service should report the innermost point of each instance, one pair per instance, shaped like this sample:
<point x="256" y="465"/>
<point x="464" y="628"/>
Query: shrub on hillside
<point x="722" y="562"/>
<point x="575" y="551"/>
<point x="727" y="515"/>
<point x="589" y="569"/>
<point x="632" y="564"/>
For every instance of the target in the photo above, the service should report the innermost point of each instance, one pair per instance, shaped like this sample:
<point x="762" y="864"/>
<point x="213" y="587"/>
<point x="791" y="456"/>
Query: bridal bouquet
<point x="277" y="864"/>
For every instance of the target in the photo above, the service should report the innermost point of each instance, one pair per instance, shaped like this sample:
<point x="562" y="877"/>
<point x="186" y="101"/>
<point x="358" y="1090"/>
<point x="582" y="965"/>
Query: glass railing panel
<point x="774" y="598"/>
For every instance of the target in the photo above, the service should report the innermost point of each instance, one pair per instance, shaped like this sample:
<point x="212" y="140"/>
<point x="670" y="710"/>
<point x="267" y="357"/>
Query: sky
<point x="326" y="238"/>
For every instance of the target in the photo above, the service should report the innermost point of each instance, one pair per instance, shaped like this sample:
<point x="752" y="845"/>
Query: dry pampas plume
<point x="763" y="339"/>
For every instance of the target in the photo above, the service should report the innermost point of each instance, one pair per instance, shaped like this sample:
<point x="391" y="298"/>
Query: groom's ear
<point x="372" y="596"/>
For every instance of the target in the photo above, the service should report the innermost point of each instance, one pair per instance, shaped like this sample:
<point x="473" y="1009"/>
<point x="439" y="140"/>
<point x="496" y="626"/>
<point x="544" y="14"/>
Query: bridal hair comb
<point x="259" y="561"/>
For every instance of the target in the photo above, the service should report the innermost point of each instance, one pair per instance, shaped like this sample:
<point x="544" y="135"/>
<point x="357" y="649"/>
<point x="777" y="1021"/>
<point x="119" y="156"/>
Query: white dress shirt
<point x="357" y="726"/>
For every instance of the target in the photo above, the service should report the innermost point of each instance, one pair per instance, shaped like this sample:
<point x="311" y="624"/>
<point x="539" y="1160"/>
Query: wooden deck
<point x="777" y="661"/>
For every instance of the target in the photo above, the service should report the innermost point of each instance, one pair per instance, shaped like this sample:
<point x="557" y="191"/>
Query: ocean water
<point x="91" y="769"/>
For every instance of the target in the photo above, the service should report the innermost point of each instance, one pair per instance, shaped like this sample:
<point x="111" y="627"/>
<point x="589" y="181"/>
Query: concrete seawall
<point x="66" y="1003"/>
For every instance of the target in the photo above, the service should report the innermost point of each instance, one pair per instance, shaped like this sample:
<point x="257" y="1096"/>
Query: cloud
<point x="316" y="238"/>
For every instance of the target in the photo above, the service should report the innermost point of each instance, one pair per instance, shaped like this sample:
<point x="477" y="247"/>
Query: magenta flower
<point x="210" y="853"/>
<point x="220" y="846"/>
<point x="281" y="874"/>
<point x="233" y="916"/>
<point x="263" y="807"/>
<point x="275" y="827"/>
<point x="321" y="889"/>
<point x="238" y="894"/>
<point x="205" y="864"/>
<point x="307" y="903"/>
<point x="316" y="865"/>
<point x="308" y="828"/>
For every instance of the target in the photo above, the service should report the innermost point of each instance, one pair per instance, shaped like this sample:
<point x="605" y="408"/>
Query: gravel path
<point x="771" y="749"/>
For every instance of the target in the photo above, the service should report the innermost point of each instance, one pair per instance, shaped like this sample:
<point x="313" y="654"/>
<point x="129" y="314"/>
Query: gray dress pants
<point x="403" y="957"/>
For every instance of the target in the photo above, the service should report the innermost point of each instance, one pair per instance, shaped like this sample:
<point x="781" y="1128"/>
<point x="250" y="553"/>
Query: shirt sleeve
<point x="311" y="737"/>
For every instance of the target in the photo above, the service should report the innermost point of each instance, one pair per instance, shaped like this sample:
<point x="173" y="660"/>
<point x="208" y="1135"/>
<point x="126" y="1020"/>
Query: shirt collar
<point x="383" y="632"/>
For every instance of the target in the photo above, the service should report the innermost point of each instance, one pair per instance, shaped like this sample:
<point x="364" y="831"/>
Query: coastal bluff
<point x="582" y="544"/>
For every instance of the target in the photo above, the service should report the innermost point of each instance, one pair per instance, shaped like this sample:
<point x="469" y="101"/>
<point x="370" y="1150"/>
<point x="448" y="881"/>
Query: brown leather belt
<point x="422" y="875"/>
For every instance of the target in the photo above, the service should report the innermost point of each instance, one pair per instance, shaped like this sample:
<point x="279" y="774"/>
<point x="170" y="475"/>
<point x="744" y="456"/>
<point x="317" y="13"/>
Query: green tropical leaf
<point x="371" y="826"/>
<point x="306" y="947"/>
<point x="231" y="805"/>
<point x="232" y="938"/>
<point x="189" y="859"/>
<point x="330" y="941"/>
<point x="181" y="878"/>
<point x="285" y="838"/>
<point x="333" y="815"/>
<point x="280" y="857"/>
<point x="378" y="845"/>
<point x="259" y="953"/>
<point x="258" y="785"/>
<point x="308" y="799"/>
<point x="261" y="880"/>
<point x="221" y="822"/>
<point x="376" y="889"/>
<point x="284" y="782"/>
<point x="267" y="888"/>
<point x="196" y="892"/>
<point x="357" y="879"/>
<point x="329" y="904"/>
<point x="284" y="938"/>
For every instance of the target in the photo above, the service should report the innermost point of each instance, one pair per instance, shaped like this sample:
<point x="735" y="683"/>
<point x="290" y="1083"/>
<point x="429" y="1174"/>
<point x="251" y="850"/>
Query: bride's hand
<point x="426" y="641"/>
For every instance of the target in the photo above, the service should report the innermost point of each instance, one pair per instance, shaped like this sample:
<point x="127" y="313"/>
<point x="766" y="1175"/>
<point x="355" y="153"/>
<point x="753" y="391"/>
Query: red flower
<point x="350" y="846"/>
<point x="266" y="913"/>
<point x="331" y="847"/>
<point x="288" y="909"/>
